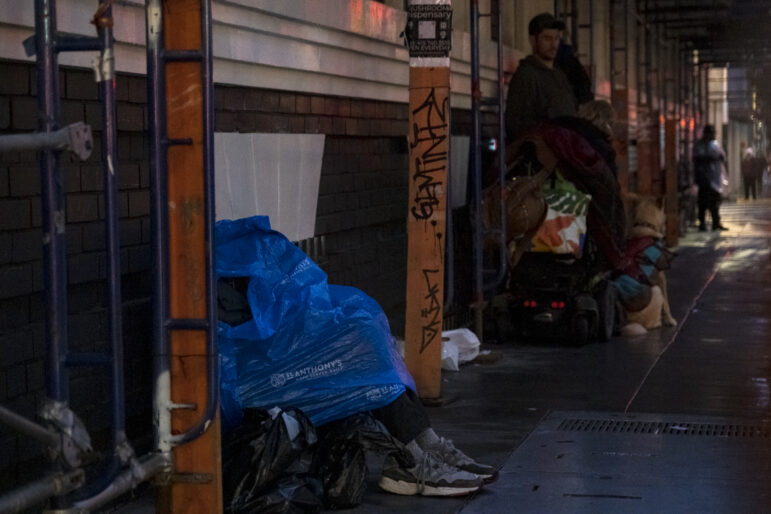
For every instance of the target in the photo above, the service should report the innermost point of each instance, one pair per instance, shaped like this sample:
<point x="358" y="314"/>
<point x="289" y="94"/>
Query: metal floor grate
<point x="654" y="427"/>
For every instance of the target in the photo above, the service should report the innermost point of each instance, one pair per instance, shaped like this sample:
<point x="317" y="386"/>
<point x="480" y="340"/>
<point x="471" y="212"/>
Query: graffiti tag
<point x="432" y="315"/>
<point x="429" y="132"/>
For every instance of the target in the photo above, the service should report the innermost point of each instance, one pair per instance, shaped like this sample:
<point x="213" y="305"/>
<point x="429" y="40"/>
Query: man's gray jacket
<point x="537" y="93"/>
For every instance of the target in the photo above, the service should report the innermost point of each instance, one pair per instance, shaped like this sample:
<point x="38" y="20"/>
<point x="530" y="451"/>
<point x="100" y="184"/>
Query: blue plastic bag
<point x="327" y="350"/>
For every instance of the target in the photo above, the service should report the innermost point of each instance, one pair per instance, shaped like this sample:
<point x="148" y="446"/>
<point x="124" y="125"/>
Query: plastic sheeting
<point x="326" y="350"/>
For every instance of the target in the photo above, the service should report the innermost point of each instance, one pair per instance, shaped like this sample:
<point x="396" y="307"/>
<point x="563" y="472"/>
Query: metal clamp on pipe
<point x="76" y="442"/>
<point x="21" y="424"/>
<point x="67" y="439"/>
<point x="31" y="495"/>
<point x="140" y="470"/>
<point x="104" y="65"/>
<point x="76" y="138"/>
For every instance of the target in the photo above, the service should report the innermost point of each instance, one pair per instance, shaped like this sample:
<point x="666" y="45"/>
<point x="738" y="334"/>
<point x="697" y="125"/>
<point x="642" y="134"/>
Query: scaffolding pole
<point x="186" y="356"/>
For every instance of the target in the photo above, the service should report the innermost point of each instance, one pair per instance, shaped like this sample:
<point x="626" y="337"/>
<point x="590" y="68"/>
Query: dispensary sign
<point x="429" y="30"/>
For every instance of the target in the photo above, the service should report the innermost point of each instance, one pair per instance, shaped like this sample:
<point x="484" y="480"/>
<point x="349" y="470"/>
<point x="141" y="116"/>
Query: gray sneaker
<point x="445" y="450"/>
<point x="429" y="477"/>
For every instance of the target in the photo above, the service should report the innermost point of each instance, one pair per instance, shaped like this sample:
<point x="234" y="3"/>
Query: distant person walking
<point x="760" y="169"/>
<point x="708" y="160"/>
<point x="749" y="168"/>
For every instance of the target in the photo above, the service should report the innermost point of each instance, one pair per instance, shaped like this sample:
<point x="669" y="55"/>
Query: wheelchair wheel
<point x="581" y="327"/>
<point x="606" y="304"/>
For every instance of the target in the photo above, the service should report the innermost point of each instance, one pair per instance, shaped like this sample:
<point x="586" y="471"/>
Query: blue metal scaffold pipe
<point x="52" y="201"/>
<point x="476" y="166"/>
<point x="105" y="76"/>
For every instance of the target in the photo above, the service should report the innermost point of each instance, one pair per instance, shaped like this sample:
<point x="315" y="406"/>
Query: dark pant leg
<point x="750" y="188"/>
<point x="703" y="202"/>
<point x="714" y="208"/>
<point x="405" y="418"/>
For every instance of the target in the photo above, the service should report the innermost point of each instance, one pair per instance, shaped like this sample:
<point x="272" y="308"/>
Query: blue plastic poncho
<point x="325" y="349"/>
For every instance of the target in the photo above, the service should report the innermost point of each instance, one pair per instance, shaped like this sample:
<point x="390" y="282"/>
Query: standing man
<point x="538" y="91"/>
<point x="760" y="170"/>
<point x="571" y="66"/>
<point x="708" y="160"/>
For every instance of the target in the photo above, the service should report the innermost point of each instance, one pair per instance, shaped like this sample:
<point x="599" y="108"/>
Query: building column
<point x="428" y="32"/>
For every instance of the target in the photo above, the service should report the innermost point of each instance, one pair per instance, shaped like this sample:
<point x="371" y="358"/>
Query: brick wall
<point x="363" y="188"/>
<point x="361" y="211"/>
<point x="362" y="208"/>
<point x="22" y="338"/>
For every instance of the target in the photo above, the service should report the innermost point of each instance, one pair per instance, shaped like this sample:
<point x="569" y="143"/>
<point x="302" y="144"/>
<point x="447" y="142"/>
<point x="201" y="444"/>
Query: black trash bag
<point x="292" y="495"/>
<point x="343" y="470"/>
<point x="267" y="463"/>
<point x="341" y="460"/>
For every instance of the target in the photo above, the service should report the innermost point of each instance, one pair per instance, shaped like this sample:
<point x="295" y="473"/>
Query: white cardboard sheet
<point x="276" y="175"/>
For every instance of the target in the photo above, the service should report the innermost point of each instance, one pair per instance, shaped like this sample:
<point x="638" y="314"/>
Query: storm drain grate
<point x="659" y="427"/>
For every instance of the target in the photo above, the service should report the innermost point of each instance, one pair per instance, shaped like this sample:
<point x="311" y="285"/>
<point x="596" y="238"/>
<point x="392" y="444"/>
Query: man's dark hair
<point x="543" y="22"/>
<point x="708" y="132"/>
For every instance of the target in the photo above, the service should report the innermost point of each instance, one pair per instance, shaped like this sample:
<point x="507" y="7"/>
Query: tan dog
<point x="647" y="318"/>
<point x="647" y="219"/>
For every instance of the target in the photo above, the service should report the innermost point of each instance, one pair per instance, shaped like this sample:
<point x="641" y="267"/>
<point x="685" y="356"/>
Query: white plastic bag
<point x="564" y="228"/>
<point x="458" y="346"/>
<point x="449" y="356"/>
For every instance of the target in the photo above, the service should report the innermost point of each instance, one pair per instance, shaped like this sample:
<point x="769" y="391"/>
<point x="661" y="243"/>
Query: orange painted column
<point x="429" y="30"/>
<point x="657" y="163"/>
<point x="620" y="102"/>
<point x="670" y="183"/>
<point x="645" y="150"/>
<point x="428" y="155"/>
<point x="195" y="486"/>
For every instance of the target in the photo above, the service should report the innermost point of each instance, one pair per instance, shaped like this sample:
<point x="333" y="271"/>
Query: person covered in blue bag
<point x="289" y="339"/>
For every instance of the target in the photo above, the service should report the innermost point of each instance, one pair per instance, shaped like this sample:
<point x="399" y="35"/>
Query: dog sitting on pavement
<point x="646" y="304"/>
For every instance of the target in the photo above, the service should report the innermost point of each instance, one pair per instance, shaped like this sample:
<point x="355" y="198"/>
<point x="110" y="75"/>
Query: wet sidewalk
<point x="713" y="368"/>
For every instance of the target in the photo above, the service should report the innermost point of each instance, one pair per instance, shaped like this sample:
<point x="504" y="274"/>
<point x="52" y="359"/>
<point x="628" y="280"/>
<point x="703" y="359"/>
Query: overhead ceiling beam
<point x="723" y="31"/>
<point x="734" y="60"/>
<point x="684" y="5"/>
<point x="680" y="11"/>
<point x="704" y="21"/>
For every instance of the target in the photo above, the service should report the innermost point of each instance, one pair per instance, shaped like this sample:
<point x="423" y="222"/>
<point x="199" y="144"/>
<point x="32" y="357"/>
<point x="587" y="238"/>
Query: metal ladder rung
<point x="187" y="324"/>
<point x="177" y="142"/>
<point x="65" y="43"/>
<point x="70" y="43"/>
<point x="182" y="56"/>
<point x="88" y="359"/>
